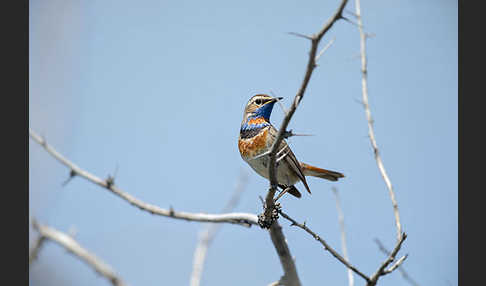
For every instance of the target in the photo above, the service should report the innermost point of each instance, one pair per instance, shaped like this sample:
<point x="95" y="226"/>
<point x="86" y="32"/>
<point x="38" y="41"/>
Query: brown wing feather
<point x="290" y="158"/>
<point x="295" y="165"/>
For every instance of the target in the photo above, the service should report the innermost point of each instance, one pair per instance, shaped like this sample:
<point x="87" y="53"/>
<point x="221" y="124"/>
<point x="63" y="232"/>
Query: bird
<point x="256" y="139"/>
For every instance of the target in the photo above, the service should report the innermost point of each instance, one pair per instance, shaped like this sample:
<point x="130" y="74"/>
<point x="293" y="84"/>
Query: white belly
<point x="285" y="176"/>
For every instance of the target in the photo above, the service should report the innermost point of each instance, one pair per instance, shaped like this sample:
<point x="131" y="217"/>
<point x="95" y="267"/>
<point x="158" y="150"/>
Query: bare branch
<point x="290" y="277"/>
<point x="371" y="133"/>
<point x="343" y="234"/>
<point x="311" y="65"/>
<point x="402" y="271"/>
<point x="244" y="219"/>
<point x="75" y="248"/>
<point x="326" y="246"/>
<point x="210" y="231"/>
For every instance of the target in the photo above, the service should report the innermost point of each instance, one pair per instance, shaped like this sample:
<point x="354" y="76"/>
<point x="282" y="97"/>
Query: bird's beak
<point x="274" y="99"/>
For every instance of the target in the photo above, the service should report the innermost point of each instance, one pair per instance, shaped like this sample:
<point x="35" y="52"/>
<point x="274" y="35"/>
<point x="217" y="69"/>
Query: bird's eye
<point x="258" y="101"/>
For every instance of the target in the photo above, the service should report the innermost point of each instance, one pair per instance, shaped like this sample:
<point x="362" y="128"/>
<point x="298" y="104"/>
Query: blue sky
<point x="156" y="91"/>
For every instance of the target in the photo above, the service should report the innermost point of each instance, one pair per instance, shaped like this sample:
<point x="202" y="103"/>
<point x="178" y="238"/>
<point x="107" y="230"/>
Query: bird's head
<point x="259" y="107"/>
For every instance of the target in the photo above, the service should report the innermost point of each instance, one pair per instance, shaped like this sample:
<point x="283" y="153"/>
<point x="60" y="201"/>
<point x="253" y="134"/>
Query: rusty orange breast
<point x="256" y="121"/>
<point x="253" y="146"/>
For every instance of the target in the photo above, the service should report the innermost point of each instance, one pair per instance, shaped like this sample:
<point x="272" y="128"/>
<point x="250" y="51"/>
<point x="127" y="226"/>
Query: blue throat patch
<point x="263" y="112"/>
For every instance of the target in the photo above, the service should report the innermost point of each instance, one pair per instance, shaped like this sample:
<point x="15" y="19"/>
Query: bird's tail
<point x="320" y="173"/>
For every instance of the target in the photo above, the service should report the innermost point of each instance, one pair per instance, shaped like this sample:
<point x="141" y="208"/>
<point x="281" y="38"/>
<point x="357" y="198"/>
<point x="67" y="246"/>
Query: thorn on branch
<point x="301" y="35"/>
<point x="262" y="200"/>
<point x="288" y="134"/>
<point x="349" y="21"/>
<point x="110" y="181"/>
<point x="72" y="174"/>
<point x="360" y="102"/>
<point x="351" y="13"/>
<point x="171" y="211"/>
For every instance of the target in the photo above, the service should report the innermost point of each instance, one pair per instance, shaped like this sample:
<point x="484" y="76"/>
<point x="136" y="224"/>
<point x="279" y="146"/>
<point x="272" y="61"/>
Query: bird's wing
<point x="290" y="158"/>
<point x="295" y="166"/>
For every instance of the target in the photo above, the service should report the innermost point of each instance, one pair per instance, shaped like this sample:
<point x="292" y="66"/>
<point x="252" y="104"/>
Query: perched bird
<point x="257" y="136"/>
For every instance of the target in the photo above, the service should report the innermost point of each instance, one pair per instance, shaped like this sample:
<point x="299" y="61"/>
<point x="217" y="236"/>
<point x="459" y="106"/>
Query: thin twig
<point x="245" y="219"/>
<point x="210" y="231"/>
<point x="311" y="65"/>
<point x="371" y="133"/>
<point x="326" y="246"/>
<point x="395" y="265"/>
<point x="343" y="234"/>
<point x="325" y="49"/>
<point x="75" y="248"/>
<point x="402" y="271"/>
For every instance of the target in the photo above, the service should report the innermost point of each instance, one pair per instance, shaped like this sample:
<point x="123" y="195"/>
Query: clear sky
<point x="156" y="91"/>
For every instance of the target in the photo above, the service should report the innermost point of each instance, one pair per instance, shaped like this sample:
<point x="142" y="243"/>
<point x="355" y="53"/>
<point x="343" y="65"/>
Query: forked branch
<point x="370" y="280"/>
<point x="325" y="245"/>
<point x="404" y="273"/>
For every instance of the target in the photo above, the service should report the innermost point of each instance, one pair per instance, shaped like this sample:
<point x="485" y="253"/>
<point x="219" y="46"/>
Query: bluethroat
<point x="257" y="136"/>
